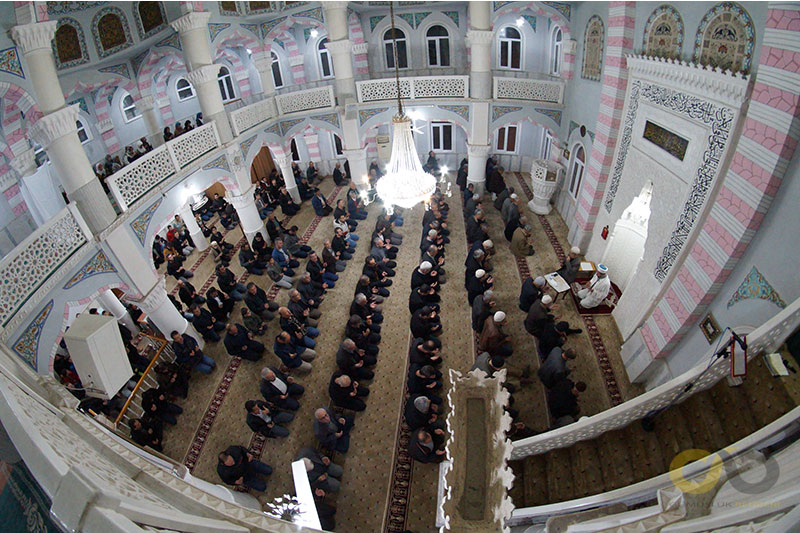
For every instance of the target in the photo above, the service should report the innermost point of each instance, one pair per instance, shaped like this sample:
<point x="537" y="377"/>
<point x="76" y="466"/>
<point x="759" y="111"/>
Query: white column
<point x="476" y="169"/>
<point x="249" y="218"/>
<point x="200" y="241"/>
<point x="147" y="106"/>
<point x="112" y="304"/>
<point x="158" y="308"/>
<point x="193" y="29"/>
<point x="263" y="63"/>
<point x="56" y="130"/>
<point x="357" y="160"/>
<point x="284" y="162"/>
<point x="479" y="39"/>
<point x="342" y="56"/>
<point x="24" y="163"/>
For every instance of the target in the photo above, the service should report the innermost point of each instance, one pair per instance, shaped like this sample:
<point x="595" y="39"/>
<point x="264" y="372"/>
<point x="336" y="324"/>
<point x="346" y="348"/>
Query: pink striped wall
<point x="360" y="63"/>
<point x="312" y="144"/>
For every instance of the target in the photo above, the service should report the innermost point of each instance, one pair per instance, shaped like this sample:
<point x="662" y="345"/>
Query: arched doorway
<point x="262" y="165"/>
<point x="625" y="248"/>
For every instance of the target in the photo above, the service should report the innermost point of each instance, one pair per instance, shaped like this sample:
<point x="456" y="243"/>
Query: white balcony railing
<point x="246" y="117"/>
<point x="531" y="90"/>
<point x="411" y="88"/>
<point x="34" y="262"/>
<point x="317" y="98"/>
<point x="764" y="339"/>
<point x="136" y="179"/>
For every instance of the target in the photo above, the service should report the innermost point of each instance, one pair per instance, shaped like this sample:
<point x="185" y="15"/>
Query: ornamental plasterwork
<point x="444" y="87"/>
<point x="10" y="63"/>
<point x="365" y="114"/>
<point x="81" y="44"/>
<point x="121" y="70"/>
<point x="376" y="90"/>
<point x="287" y="125"/>
<point x="330" y="118"/>
<point x="593" y="48"/>
<point x="500" y="110"/>
<point x="663" y="33"/>
<point x="173" y="41"/>
<point x="98" y="264"/>
<point x="220" y="162"/>
<point x="460" y="110"/>
<point x="725" y="38"/>
<point x="138" y="178"/>
<point x="553" y="114"/>
<point x="215" y="28"/>
<point x="57" y="9"/>
<point x="533" y="90"/>
<point x="27" y="346"/>
<point x="139" y="224"/>
<point x="305" y="100"/>
<point x="246" y="144"/>
<point x="193" y="145"/>
<point x="756" y="286"/>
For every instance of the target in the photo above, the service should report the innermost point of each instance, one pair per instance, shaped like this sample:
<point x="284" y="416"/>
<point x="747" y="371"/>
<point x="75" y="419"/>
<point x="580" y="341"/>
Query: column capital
<point x="55" y="125"/>
<point x="145" y="103"/>
<point x="105" y="125"/>
<point x="283" y="160"/>
<point x="345" y="46"/>
<point x="202" y="75"/>
<point x="479" y="37"/>
<point x="478" y="150"/>
<point x="193" y="20"/>
<point x="155" y="297"/>
<point x="262" y="60"/>
<point x="360" y="48"/>
<point x="243" y="200"/>
<point x="7" y="180"/>
<point x="24" y="164"/>
<point x="296" y="60"/>
<point x="36" y="36"/>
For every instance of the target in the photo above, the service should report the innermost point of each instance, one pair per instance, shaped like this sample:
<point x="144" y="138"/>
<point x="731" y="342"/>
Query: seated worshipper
<point x="554" y="368"/>
<point x="379" y="252"/>
<point x="358" y="331"/>
<point x="236" y="466"/>
<point x="353" y="361"/>
<point x="205" y="324"/>
<point x="217" y="204"/>
<point x="479" y="283"/>
<point x="132" y="155"/>
<point x="318" y="272"/>
<point x="354" y="206"/>
<point x="179" y="240"/>
<point x="425" y="352"/>
<point x="423" y="296"/>
<point x="248" y="260"/>
<point x="227" y="220"/>
<point x="173" y="378"/>
<point x="288" y="207"/>
<point x="168" y="136"/>
<point x="424" y="274"/>
<point x="253" y="322"/>
<point x="340" y="221"/>
<point x="300" y="307"/>
<point x="488" y="363"/>
<point x="147" y="432"/>
<point x="495" y="182"/>
<point x="562" y="399"/>
<point x="275" y="229"/>
<point x="571" y="265"/>
<point x="376" y="273"/>
<point x="312" y="173"/>
<point x="493" y="339"/>
<point x="262" y="420"/>
<point x="227" y="282"/>
<point x="347" y="393"/>
<point x="499" y="201"/>
<point x="239" y="343"/>
<point x="279" y="389"/>
<point x="220" y="255"/>
<point x="188" y="294"/>
<point x="491" y="164"/>
<point x="512" y="225"/>
<point x="293" y="356"/>
<point x="475" y="261"/>
<point x="540" y="315"/>
<point x="300" y="332"/>
<point x="482" y="307"/>
<point x="422" y="380"/>
<point x="320" y="204"/>
<point x="471" y="204"/>
<point x="332" y="432"/>
<point x="425" y="323"/>
<point x="373" y="293"/>
<point x="420" y="411"/>
<point x="330" y="258"/>
<point x="284" y="258"/>
<point x="461" y="178"/>
<point x="340" y="214"/>
<point x="510" y="209"/>
<point x="532" y="289"/>
<point x="321" y="471"/>
<point x="275" y="273"/>
<point x="424" y="448"/>
<point x="341" y="245"/>
<point x="593" y="293"/>
<point x="219" y="303"/>
<point x="216" y="235"/>
<point x="520" y="241"/>
<point x="262" y="250"/>
<point x="387" y="225"/>
<point x="312" y="291"/>
<point x="305" y="189"/>
<point x="296" y="171"/>
<point x="363" y="308"/>
<point x="338" y="177"/>
<point x="257" y="301"/>
<point x="553" y="335"/>
<point x="189" y="354"/>
<point x="291" y="242"/>
<point x="476" y="227"/>
<point x="155" y="405"/>
<point x="175" y="269"/>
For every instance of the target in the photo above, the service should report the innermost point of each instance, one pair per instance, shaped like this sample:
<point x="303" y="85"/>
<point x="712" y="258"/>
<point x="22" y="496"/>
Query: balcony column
<point x="342" y="55"/>
<point x="158" y="308"/>
<point x="147" y="105"/>
<point x="200" y="241"/>
<point x="111" y="303"/>
<point x="56" y="131"/>
<point x="249" y="218"/>
<point x="476" y="165"/>
<point x="263" y="63"/>
<point x="284" y="163"/>
<point x="479" y="39"/>
<point x="357" y="161"/>
<point x="193" y="29"/>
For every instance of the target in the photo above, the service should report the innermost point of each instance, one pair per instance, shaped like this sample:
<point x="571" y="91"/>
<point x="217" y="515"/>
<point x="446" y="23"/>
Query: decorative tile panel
<point x="81" y="104"/>
<point x="137" y="60"/>
<point x="139" y="224"/>
<point x="120" y="70"/>
<point x="287" y="125"/>
<point x="98" y="264"/>
<point x="62" y="8"/>
<point x="663" y="33"/>
<point x="460" y="110"/>
<point x="274" y="128"/>
<point x="252" y="28"/>
<point x="731" y="38"/>
<point x="452" y="14"/>
<point x="554" y="114"/>
<point x="247" y="143"/>
<point x="267" y="27"/>
<point x="365" y="114"/>
<point x="81" y="55"/>
<point x="27" y="346"/>
<point x="500" y="5"/>
<point x="315" y="14"/>
<point x="756" y="286"/>
<point x="500" y="110"/>
<point x="221" y="163"/>
<point x="125" y="40"/>
<point x="9" y="62"/>
<point x="419" y="17"/>
<point x="408" y="17"/>
<point x="173" y="41"/>
<point x="374" y="21"/>
<point x="330" y="118"/>
<point x="562" y="7"/>
<point x="530" y="19"/>
<point x="214" y="29"/>
<point x="156" y="21"/>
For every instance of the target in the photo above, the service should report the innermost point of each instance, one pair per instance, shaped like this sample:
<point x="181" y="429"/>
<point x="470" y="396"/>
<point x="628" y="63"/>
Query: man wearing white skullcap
<point x="532" y="290"/>
<point x="510" y="209"/>
<point x="571" y="265"/>
<point x="478" y="284"/>
<point x="594" y="292"/>
<point x="539" y="315"/>
<point x="493" y="339"/>
<point x="480" y="273"/>
<point x="424" y="274"/>
<point x="499" y="317"/>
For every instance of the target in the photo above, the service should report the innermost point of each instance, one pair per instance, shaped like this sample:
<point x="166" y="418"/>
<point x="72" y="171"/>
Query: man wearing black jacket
<point x="239" y="343"/>
<point x="206" y="324"/>
<point x="261" y="419"/>
<point x="280" y="389"/>
<point x="236" y="466"/>
<point x="257" y="301"/>
<point x="354" y="361"/>
<point x="188" y="294"/>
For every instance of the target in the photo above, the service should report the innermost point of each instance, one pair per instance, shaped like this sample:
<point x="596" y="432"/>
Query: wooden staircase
<point x="708" y="420"/>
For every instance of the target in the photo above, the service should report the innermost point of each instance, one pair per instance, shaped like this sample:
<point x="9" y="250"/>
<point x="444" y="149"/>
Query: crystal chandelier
<point x="405" y="184"/>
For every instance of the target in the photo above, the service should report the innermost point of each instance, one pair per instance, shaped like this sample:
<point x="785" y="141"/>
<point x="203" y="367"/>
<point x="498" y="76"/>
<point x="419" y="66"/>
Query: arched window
<point x="295" y="152"/>
<point x="593" y="49"/>
<point x="507" y="139"/>
<point x="70" y="48"/>
<point x="725" y="38"/>
<point x="325" y="68"/>
<point x="555" y="51"/>
<point x="83" y="133"/>
<point x="150" y="18"/>
<point x="225" y="81"/>
<point x="184" y="89"/>
<point x="402" y="52"/>
<point x="338" y="149"/>
<point x="438" y="46"/>
<point x="128" y="106"/>
<point x="110" y="31"/>
<point x="576" y="176"/>
<point x="277" y="77"/>
<point x="547" y="145"/>
<point x="663" y="33"/>
<point x="510" y="48"/>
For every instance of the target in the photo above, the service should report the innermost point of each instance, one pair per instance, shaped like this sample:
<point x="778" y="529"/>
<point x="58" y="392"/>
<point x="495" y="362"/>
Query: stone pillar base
<point x="199" y="240"/>
<point x="94" y="206"/>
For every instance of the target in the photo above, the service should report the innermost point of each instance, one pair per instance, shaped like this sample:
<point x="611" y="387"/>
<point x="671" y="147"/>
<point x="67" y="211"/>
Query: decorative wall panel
<point x="756" y="286"/>
<point x="69" y="44"/>
<point x="27" y="346"/>
<point x="593" y="45"/>
<point x="110" y="31"/>
<point x="98" y="264"/>
<point x="663" y="33"/>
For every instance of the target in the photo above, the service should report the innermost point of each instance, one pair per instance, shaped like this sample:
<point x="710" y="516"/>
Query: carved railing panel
<point x="135" y="180"/>
<point x="318" y="98"/>
<point x="246" y="117"/>
<point x="413" y="87"/>
<point x="194" y="144"/>
<point x="545" y="91"/>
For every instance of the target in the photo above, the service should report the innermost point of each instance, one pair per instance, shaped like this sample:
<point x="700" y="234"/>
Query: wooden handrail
<point x="141" y="379"/>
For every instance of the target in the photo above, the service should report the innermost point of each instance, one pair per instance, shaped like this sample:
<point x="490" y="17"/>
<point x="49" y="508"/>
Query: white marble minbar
<point x="544" y="182"/>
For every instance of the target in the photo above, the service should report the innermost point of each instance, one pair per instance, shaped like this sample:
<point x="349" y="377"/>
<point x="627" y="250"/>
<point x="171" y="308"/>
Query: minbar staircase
<point x="709" y="420"/>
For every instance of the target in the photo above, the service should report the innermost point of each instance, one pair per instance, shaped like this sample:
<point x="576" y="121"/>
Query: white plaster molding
<point x="570" y="46"/>
<point x="479" y="37"/>
<point x="263" y="63"/>
<point x="243" y="200"/>
<point x="55" y="125"/>
<point x="191" y="21"/>
<point x="145" y="103"/>
<point x="105" y="125"/>
<point x="162" y="102"/>
<point x="37" y="36"/>
<point x="478" y="150"/>
<point x="203" y="75"/>
<point x="296" y="60"/>
<point x="360" y="48"/>
<point x="235" y="159"/>
<point x="7" y="180"/>
<point x="345" y="46"/>
<point x="155" y="297"/>
<point x="283" y="161"/>
<point x="704" y="81"/>
<point x="333" y="5"/>
<point x="24" y="164"/>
